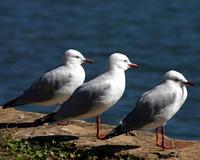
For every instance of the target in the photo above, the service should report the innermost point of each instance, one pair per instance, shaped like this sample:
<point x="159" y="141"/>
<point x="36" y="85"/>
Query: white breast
<point x="77" y="74"/>
<point x="169" y="111"/>
<point x="111" y="96"/>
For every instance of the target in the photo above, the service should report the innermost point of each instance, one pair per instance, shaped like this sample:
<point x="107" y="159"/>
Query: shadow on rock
<point x="108" y="150"/>
<point x="17" y="125"/>
<point x="52" y="138"/>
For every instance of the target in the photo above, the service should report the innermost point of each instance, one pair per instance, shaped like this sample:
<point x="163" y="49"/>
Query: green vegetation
<point x="23" y="149"/>
<point x="39" y="149"/>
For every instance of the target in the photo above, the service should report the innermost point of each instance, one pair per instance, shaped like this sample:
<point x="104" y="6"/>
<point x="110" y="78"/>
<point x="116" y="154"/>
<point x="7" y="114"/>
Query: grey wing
<point x="45" y="87"/>
<point x="147" y="108"/>
<point x="83" y="100"/>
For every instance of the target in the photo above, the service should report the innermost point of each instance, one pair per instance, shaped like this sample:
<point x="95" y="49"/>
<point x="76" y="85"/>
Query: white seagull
<point x="155" y="107"/>
<point x="93" y="98"/>
<point x="55" y="86"/>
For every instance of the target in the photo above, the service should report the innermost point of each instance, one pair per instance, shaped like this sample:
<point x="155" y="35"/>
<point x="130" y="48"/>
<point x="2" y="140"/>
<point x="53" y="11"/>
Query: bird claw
<point x="164" y="146"/>
<point x="101" y="136"/>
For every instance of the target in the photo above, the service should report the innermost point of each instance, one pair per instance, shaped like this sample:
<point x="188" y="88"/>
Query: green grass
<point x="32" y="149"/>
<point x="23" y="149"/>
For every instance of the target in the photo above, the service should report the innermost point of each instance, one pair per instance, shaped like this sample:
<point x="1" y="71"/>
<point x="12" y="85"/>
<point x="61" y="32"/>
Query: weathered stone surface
<point x="82" y="133"/>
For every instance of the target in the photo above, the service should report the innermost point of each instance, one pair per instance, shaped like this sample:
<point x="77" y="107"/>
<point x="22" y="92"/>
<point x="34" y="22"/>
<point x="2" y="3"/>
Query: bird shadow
<point x="17" y="125"/>
<point x="52" y="138"/>
<point x="107" y="150"/>
<point x="102" y="151"/>
<point x="113" y="148"/>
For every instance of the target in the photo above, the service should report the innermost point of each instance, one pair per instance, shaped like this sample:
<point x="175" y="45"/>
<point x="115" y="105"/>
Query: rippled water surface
<point x="157" y="35"/>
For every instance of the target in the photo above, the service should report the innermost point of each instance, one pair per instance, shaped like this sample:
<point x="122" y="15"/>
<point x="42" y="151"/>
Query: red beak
<point x="88" y="61"/>
<point x="189" y="83"/>
<point x="132" y="65"/>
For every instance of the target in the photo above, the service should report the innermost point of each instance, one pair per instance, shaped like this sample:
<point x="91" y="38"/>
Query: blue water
<point x="157" y="35"/>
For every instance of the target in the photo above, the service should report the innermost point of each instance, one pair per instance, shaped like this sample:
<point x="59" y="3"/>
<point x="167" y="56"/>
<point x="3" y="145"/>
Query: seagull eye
<point x="77" y="57"/>
<point x="176" y="80"/>
<point x="125" y="61"/>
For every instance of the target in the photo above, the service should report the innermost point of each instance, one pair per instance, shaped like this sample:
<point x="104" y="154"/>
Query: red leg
<point x="163" y="137"/>
<point x="157" y="143"/>
<point x="99" y="136"/>
<point x="97" y="126"/>
<point x="163" y="145"/>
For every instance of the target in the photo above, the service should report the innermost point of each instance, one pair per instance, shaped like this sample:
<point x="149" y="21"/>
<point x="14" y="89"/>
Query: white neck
<point x="70" y="64"/>
<point x="182" y="90"/>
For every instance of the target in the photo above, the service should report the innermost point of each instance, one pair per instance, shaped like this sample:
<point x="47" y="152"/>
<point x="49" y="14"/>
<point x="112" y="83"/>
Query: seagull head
<point x="178" y="78"/>
<point x="120" y="61"/>
<point x="74" y="57"/>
